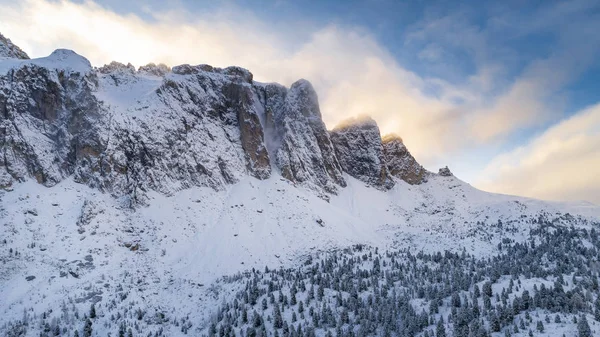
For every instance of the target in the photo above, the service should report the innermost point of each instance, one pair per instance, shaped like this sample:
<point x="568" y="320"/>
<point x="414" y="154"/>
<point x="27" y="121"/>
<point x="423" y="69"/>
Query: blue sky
<point x="475" y="85"/>
<point x="480" y="31"/>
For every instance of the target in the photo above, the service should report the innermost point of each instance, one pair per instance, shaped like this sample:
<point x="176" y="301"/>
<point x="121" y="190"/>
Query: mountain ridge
<point x="95" y="127"/>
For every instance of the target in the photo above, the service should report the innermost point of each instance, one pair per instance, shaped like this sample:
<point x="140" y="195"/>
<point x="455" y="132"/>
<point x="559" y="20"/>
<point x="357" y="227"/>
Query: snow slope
<point x="87" y="246"/>
<point x="60" y="59"/>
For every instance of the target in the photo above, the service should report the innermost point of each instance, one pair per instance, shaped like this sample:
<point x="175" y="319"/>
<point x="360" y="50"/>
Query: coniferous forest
<point x="548" y="280"/>
<point x="546" y="285"/>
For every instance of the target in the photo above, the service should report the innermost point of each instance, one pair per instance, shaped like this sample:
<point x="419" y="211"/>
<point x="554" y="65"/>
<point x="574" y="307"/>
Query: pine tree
<point x="277" y="319"/>
<point x="525" y="300"/>
<point x="540" y="326"/>
<point x="293" y="300"/>
<point x="87" y="328"/>
<point x="487" y="289"/>
<point x="320" y="293"/>
<point x="212" y="329"/>
<point x="433" y="308"/>
<point x="122" y="329"/>
<point x="495" y="323"/>
<point x="286" y="328"/>
<point x="456" y="300"/>
<point x="257" y="321"/>
<point x="583" y="328"/>
<point x="440" y="330"/>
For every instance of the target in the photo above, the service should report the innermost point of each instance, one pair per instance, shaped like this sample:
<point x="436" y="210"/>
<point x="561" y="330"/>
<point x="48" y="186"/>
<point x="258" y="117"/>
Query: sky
<point x="507" y="94"/>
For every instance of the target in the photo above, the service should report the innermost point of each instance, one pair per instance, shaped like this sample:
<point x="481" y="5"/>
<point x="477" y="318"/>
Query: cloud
<point x="560" y="164"/>
<point x="103" y="36"/>
<point x="536" y="94"/>
<point x="431" y="52"/>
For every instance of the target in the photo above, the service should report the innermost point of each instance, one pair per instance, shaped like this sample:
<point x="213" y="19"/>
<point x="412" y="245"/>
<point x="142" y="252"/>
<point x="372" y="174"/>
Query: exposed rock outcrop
<point x="359" y="149"/>
<point x="48" y="119"/>
<point x="128" y="131"/>
<point x="234" y="72"/>
<point x="193" y="128"/>
<point x="117" y="67"/>
<point x="445" y="172"/>
<point x="154" y="69"/>
<point x="123" y="133"/>
<point x="298" y="137"/>
<point x="8" y="49"/>
<point x="401" y="163"/>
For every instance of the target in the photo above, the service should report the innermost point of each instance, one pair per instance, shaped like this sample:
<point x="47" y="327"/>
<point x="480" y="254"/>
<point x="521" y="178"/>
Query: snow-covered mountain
<point x="127" y="132"/>
<point x="154" y="183"/>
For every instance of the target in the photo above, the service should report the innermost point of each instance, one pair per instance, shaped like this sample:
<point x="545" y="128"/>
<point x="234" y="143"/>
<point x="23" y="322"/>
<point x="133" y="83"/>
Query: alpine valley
<point x="196" y="201"/>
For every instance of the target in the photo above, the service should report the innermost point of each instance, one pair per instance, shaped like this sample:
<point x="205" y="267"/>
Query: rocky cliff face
<point x="8" y="49"/>
<point x="359" y="149"/>
<point x="372" y="159"/>
<point x="128" y="131"/>
<point x="194" y="126"/>
<point x="298" y="137"/>
<point x="401" y="163"/>
<point x="47" y="119"/>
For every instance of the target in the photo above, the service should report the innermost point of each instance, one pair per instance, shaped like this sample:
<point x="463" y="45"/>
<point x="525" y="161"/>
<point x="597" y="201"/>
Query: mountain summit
<point x="358" y="146"/>
<point x="127" y="131"/>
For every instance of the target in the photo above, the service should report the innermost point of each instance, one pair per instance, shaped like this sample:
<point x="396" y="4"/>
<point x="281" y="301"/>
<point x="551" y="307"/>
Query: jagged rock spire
<point x="301" y="144"/>
<point x="400" y="162"/>
<point x="359" y="149"/>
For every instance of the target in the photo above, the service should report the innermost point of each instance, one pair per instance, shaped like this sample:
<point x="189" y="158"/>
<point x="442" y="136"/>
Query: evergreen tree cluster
<point x="363" y="292"/>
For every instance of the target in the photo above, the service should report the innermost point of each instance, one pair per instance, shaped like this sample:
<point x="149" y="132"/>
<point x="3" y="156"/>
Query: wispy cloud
<point x="535" y="95"/>
<point x="561" y="164"/>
